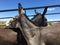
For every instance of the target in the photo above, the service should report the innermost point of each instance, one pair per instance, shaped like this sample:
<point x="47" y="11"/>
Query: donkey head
<point x="13" y="23"/>
<point x="40" y="19"/>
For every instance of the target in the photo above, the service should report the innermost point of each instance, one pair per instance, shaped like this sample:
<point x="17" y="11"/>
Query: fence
<point x="32" y="8"/>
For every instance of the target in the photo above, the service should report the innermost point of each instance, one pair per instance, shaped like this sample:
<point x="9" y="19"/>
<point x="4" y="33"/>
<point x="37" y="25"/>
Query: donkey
<point x="38" y="18"/>
<point x="35" y="17"/>
<point x="7" y="37"/>
<point x="35" y="20"/>
<point x="36" y="35"/>
<point x="28" y="29"/>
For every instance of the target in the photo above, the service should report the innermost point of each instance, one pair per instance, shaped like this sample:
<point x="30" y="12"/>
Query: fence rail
<point x="30" y="8"/>
<point x="31" y="15"/>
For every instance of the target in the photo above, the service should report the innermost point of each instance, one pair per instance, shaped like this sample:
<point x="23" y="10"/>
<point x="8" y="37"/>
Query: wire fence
<point x="32" y="8"/>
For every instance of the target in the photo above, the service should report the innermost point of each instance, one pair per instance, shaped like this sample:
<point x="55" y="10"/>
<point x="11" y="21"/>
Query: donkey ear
<point x="44" y="12"/>
<point x="36" y="12"/>
<point x="20" y="9"/>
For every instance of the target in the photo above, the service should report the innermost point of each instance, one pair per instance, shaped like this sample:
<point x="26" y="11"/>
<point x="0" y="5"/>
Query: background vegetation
<point x="2" y="25"/>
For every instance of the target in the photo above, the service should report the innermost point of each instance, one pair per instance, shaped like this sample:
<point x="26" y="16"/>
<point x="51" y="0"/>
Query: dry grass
<point x="2" y="25"/>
